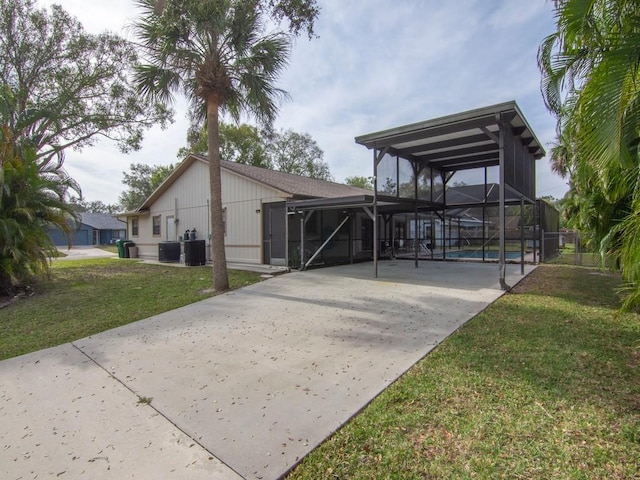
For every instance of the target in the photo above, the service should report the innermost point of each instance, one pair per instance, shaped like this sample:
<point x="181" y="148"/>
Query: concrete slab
<point x="63" y="416"/>
<point x="262" y="375"/>
<point x="81" y="252"/>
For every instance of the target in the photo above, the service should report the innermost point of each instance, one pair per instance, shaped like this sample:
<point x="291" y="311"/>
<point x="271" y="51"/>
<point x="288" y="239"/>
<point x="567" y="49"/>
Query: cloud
<point x="376" y="64"/>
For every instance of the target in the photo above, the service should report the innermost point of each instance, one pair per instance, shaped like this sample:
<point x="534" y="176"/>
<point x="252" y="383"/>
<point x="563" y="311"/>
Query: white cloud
<point x="376" y="64"/>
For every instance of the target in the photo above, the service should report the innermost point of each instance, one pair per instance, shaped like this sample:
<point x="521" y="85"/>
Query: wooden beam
<point x="459" y="153"/>
<point x="454" y="142"/>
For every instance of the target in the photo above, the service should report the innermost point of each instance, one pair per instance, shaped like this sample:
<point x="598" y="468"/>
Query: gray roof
<point x="102" y="221"/>
<point x="295" y="185"/>
<point x="456" y="142"/>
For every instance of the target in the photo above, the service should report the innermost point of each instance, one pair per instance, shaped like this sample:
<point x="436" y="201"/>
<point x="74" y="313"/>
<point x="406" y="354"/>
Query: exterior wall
<point x="108" y="237"/>
<point x="185" y="205"/>
<point x="83" y="236"/>
<point x="243" y="201"/>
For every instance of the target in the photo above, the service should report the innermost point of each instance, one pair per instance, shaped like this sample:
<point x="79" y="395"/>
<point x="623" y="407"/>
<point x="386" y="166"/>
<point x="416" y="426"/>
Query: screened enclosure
<point x="460" y="187"/>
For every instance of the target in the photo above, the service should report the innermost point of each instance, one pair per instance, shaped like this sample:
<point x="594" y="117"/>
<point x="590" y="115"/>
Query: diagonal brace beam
<point x="313" y="257"/>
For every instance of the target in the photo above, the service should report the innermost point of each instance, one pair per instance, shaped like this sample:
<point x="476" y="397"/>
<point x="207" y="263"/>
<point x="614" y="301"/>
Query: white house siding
<point x="186" y="200"/>
<point x="243" y="199"/>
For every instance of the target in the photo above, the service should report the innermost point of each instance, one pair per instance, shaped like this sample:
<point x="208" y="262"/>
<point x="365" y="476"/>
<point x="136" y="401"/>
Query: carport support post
<point x="501" y="258"/>
<point x="521" y="235"/>
<point x="302" y="242"/>
<point x="416" y="231"/>
<point x="377" y="157"/>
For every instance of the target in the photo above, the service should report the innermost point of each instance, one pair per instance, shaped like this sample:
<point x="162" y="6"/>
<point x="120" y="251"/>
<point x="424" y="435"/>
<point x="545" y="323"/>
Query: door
<point x="171" y="229"/>
<point x="274" y="227"/>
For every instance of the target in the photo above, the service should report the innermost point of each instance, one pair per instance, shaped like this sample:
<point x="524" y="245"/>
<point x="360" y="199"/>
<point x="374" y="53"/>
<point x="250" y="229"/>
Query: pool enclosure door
<point x="274" y="237"/>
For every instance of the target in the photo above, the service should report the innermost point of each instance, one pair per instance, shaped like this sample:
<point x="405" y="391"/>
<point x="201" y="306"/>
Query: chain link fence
<point x="572" y="250"/>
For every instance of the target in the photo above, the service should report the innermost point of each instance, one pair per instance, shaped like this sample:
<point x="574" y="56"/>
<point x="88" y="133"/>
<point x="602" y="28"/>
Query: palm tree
<point x="33" y="196"/>
<point x="217" y="53"/>
<point x="590" y="71"/>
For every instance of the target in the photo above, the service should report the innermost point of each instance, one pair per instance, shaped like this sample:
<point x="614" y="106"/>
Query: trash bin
<point x="133" y="251"/>
<point x="120" y="246"/>
<point x="125" y="247"/>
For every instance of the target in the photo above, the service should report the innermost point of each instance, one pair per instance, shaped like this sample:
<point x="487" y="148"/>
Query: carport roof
<point x="456" y="142"/>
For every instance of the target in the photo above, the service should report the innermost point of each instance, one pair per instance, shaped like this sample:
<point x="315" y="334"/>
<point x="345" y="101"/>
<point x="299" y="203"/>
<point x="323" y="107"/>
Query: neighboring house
<point x="94" y="229"/>
<point x="254" y="207"/>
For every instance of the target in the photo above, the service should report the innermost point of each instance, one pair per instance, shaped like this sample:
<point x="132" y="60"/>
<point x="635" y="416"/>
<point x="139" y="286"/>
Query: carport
<point x="460" y="168"/>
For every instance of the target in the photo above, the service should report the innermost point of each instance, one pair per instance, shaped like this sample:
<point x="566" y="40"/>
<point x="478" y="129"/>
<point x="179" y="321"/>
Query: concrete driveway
<point x="78" y="252"/>
<point x="242" y="385"/>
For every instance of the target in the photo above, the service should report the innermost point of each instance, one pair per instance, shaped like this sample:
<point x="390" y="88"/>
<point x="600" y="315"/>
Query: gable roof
<point x="295" y="186"/>
<point x="102" y="221"/>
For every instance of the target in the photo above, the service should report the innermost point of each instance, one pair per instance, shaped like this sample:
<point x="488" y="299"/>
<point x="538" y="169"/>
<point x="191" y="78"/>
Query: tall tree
<point x="33" y="196"/>
<point x="142" y="180"/>
<point x="298" y="153"/>
<point x="359" y="181"/>
<point x="82" y="80"/>
<point x="94" y="206"/>
<point x="590" y="82"/>
<point x="218" y="54"/>
<point x="238" y="143"/>
<point x="286" y="151"/>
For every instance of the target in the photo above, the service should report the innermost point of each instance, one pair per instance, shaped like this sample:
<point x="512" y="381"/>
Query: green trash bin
<point x="120" y="245"/>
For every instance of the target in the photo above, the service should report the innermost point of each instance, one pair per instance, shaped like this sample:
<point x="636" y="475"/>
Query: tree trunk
<point x="218" y="255"/>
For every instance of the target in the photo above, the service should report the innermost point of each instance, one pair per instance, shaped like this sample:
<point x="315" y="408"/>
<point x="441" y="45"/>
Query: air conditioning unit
<point x="195" y="253"/>
<point x="169" y="251"/>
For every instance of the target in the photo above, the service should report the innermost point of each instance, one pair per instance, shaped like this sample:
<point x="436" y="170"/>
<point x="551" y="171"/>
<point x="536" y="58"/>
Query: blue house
<point x="94" y="229"/>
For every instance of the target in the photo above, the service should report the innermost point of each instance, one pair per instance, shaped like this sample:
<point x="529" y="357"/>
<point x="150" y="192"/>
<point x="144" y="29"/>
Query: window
<point x="134" y="227"/>
<point x="156" y="224"/>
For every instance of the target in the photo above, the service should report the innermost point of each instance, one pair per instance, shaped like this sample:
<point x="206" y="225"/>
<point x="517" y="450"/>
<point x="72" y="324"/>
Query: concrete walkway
<point x="242" y="385"/>
<point x="80" y="252"/>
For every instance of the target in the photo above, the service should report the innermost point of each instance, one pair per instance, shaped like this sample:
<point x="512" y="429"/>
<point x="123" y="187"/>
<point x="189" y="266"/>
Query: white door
<point x="171" y="229"/>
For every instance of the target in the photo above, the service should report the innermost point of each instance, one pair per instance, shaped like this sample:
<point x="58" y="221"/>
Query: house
<point x="464" y="182"/>
<point x="93" y="229"/>
<point x="254" y="208"/>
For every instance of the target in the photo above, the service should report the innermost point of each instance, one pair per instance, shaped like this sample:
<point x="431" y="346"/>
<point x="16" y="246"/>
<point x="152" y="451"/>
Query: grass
<point x="545" y="383"/>
<point x="109" y="248"/>
<point x="84" y="297"/>
<point x="568" y="256"/>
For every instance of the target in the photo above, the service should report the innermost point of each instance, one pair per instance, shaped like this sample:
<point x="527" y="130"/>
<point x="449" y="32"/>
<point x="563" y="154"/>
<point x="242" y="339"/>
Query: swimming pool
<point x="477" y="254"/>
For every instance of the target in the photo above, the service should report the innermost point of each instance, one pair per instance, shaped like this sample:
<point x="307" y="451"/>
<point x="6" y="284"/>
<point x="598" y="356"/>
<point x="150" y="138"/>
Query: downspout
<point x="175" y="220"/>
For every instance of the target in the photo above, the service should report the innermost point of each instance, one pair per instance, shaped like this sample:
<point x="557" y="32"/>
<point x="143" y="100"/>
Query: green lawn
<point x="84" y="297"/>
<point x="545" y="383"/>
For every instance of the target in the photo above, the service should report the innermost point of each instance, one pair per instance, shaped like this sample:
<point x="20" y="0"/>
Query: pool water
<point x="489" y="254"/>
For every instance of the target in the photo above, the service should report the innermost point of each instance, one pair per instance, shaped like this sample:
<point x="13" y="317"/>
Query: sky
<point x="375" y="64"/>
